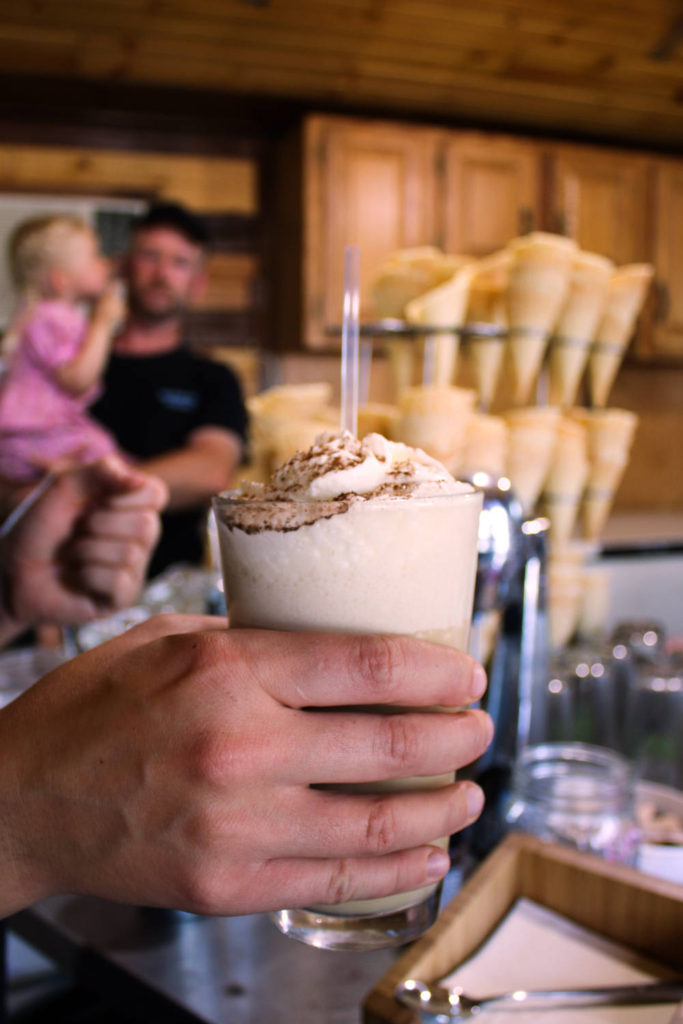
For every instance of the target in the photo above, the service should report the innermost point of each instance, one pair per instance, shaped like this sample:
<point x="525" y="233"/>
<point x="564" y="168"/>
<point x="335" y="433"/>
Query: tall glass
<point x="391" y="565"/>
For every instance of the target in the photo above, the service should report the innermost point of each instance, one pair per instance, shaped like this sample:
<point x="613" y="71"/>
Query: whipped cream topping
<point x="341" y="466"/>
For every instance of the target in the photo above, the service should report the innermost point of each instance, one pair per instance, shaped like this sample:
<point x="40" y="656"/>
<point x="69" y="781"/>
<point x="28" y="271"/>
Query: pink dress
<point x="40" y="423"/>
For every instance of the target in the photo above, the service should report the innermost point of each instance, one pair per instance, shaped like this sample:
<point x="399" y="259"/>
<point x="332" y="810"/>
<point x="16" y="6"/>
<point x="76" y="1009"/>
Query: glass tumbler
<point x="391" y="565"/>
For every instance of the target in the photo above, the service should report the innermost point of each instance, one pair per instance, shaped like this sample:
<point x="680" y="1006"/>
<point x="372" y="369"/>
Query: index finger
<point x="335" y="669"/>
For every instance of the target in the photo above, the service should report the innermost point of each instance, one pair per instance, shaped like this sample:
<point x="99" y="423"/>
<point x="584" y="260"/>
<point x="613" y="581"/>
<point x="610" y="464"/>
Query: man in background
<point x="180" y="416"/>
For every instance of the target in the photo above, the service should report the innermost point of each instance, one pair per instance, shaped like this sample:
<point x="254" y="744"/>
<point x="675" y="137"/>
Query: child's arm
<point x="79" y="374"/>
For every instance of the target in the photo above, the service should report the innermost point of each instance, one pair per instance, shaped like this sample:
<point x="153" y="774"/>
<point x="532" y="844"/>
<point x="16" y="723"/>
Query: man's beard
<point x="151" y="316"/>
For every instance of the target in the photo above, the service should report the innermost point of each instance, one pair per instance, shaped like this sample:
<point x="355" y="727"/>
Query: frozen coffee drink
<point x="357" y="536"/>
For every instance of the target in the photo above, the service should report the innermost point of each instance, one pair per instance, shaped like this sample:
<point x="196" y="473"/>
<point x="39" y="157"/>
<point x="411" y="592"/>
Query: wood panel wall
<point x="608" y="69"/>
<point x="224" y="189"/>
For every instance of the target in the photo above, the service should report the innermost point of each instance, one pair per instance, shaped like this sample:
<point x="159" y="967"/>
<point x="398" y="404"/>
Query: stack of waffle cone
<point x="434" y="419"/>
<point x="610" y="436"/>
<point x="532" y="434"/>
<point x="485" y="447"/>
<point x="595" y="603"/>
<point x="487" y="305"/>
<point x="626" y="294"/>
<point x="445" y="307"/>
<point x="407" y="273"/>
<point x="566" y="479"/>
<point x="565" y="595"/>
<point x="402" y="277"/>
<point x="576" y="326"/>
<point x="537" y="287"/>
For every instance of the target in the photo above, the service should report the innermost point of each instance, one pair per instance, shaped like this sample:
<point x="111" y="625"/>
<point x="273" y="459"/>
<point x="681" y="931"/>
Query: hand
<point x="175" y="770"/>
<point x="82" y="550"/>
<point x="111" y="307"/>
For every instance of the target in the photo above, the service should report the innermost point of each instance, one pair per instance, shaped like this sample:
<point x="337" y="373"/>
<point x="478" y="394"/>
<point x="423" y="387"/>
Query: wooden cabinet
<point x="600" y="198"/>
<point x="491" y="191"/>
<point x="383" y="186"/>
<point x="665" y="339"/>
<point x="387" y="185"/>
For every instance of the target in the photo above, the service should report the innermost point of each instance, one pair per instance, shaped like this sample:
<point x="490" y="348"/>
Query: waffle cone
<point x="565" y="594"/>
<point x="586" y="296"/>
<point x="595" y="511"/>
<point x="402" y="363"/>
<point x="486" y="359"/>
<point x="487" y="296"/>
<point x="297" y="400"/>
<point x="603" y="366"/>
<point x="595" y="603"/>
<point x="626" y="294"/>
<point x="485" y="445"/>
<point x="569" y="468"/>
<point x="561" y="510"/>
<point x="538" y="280"/>
<point x="434" y="419"/>
<point x="529" y="452"/>
<point x="567" y="363"/>
<point x="408" y="273"/>
<point x="610" y="434"/>
<point x="377" y="418"/>
<point x="526" y="355"/>
<point x="606" y="475"/>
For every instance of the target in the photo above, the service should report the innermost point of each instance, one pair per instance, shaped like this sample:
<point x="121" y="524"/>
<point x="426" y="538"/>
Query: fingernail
<point x="438" y="865"/>
<point x="474" y="799"/>
<point x="490" y="728"/>
<point x="477" y="682"/>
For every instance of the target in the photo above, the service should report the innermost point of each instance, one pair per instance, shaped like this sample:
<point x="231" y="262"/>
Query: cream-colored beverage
<point x="356" y="536"/>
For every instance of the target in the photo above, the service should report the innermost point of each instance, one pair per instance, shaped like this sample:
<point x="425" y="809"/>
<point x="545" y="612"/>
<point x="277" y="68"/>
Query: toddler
<point x="56" y="354"/>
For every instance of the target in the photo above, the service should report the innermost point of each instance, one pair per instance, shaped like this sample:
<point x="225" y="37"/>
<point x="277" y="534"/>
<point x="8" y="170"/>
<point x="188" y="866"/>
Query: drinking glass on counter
<point x="392" y="564"/>
<point x="578" y="795"/>
<point x="654" y="722"/>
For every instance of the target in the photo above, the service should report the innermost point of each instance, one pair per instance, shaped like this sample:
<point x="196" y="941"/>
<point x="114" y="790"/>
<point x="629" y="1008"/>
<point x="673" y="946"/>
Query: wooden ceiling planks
<point x="559" y="64"/>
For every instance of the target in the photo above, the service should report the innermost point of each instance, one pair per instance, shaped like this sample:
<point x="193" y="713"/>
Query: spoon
<point x="444" y="1004"/>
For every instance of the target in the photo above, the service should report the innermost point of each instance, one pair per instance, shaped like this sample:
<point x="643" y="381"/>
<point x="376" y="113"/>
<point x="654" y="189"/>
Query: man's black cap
<point x="177" y="217"/>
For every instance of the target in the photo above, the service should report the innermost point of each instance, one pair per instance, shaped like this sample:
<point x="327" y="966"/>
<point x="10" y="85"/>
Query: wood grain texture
<point x="561" y="65"/>
<point x="643" y="913"/>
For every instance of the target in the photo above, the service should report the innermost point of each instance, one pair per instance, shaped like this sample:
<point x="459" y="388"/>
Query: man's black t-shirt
<point x="151" y="404"/>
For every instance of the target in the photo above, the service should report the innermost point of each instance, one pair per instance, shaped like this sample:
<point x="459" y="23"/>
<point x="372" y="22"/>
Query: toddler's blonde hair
<point x="39" y="244"/>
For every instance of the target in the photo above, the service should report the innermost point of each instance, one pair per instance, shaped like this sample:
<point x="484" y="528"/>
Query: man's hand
<point x="176" y="770"/>
<point x="81" y="551"/>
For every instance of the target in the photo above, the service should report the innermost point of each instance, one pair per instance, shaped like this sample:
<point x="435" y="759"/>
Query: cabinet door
<point x="492" y="191"/>
<point x="666" y="338"/>
<point x="600" y="198"/>
<point x="370" y="184"/>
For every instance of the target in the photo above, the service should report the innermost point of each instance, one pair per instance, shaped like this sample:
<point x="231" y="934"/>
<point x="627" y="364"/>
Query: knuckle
<point x="376" y="661"/>
<point x="215" y="760"/>
<point x="400" y="741"/>
<point x="340" y="886"/>
<point x="380" y="827"/>
<point x="197" y="889"/>
<point x="149" y="528"/>
<point x="123" y="587"/>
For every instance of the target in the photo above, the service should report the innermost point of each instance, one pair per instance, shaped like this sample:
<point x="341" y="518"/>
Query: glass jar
<point x="577" y="795"/>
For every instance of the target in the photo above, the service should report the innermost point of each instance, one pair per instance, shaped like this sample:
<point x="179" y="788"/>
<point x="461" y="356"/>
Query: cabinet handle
<point x="526" y="220"/>
<point x="662" y="302"/>
<point x="561" y="222"/>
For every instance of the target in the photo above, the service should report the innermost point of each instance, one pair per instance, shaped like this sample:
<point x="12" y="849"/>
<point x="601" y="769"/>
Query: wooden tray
<point x="643" y="913"/>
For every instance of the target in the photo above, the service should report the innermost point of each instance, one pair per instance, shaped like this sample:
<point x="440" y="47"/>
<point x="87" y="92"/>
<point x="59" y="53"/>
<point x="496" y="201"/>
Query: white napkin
<point x="534" y="948"/>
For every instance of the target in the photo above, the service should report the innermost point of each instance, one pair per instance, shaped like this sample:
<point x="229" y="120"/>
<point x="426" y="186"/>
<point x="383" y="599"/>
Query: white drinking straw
<point x="350" y="349"/>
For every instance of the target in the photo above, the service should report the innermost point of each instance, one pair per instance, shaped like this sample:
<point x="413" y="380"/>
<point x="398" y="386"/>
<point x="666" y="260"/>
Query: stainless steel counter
<point x="181" y="968"/>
